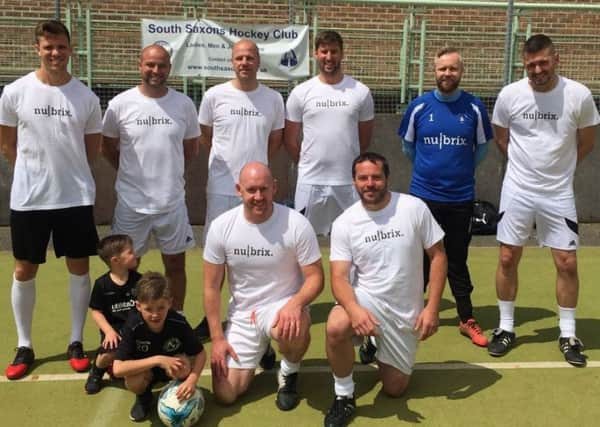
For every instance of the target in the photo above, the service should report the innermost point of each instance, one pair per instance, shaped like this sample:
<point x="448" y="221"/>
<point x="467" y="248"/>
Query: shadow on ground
<point x="449" y="384"/>
<point x="487" y="315"/>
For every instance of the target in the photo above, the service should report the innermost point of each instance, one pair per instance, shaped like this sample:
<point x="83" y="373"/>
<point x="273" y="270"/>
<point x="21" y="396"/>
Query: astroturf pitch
<point x="454" y="382"/>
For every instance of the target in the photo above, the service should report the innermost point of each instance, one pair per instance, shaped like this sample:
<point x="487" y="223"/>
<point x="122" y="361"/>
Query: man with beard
<point x="545" y="124"/>
<point x="336" y="115"/>
<point x="150" y="132"/>
<point x="381" y="238"/>
<point x="445" y="135"/>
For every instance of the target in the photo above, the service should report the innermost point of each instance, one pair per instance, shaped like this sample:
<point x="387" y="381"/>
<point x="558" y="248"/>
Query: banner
<point x="203" y="47"/>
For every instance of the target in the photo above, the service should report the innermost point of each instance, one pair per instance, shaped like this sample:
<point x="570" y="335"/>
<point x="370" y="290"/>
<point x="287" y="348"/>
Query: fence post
<point x="508" y="45"/>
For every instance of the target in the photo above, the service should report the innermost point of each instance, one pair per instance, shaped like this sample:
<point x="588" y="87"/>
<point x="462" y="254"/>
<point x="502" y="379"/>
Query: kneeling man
<point x="379" y="241"/>
<point x="274" y="272"/>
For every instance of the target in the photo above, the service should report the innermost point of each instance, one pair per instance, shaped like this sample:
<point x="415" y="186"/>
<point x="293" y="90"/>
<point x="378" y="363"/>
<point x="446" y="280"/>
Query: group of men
<point x="386" y="247"/>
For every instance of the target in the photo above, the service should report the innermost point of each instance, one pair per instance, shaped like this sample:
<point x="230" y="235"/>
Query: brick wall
<point x="373" y="39"/>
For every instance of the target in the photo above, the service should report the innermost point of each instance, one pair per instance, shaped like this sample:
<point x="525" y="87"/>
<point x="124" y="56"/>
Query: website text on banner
<point x="203" y="47"/>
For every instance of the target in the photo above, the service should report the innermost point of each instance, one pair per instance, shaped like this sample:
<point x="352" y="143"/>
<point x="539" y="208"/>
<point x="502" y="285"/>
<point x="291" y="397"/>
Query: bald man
<point x="150" y="133"/>
<point x="241" y="121"/>
<point x="274" y="272"/>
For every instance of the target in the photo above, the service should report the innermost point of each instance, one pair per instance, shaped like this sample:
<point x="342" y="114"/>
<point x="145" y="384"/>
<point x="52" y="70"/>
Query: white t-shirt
<point x="385" y="248"/>
<point x="51" y="170"/>
<point x="241" y="124"/>
<point x="151" y="161"/>
<point x="542" y="148"/>
<point x="329" y="115"/>
<point x="263" y="260"/>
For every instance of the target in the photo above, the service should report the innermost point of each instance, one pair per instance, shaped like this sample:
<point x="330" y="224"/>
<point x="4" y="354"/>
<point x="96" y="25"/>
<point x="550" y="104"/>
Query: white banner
<point x="203" y="47"/>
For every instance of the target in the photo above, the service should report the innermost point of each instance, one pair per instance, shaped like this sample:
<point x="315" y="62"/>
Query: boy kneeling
<point x="157" y="344"/>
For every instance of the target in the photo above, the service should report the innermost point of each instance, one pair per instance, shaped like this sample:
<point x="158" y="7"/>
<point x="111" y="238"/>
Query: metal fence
<point x="389" y="44"/>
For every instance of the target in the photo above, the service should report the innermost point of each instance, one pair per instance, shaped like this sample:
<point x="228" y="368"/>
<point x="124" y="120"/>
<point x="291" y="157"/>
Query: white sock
<point x="22" y="297"/>
<point x="507" y="315"/>
<point x="343" y="386"/>
<point x="566" y="321"/>
<point x="79" y="293"/>
<point x="286" y="367"/>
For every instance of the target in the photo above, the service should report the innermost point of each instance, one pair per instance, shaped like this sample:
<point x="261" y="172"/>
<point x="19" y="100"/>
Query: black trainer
<point x="367" y="351"/>
<point x="341" y="412"/>
<point x="141" y="407"/>
<point x="93" y="383"/>
<point x="267" y="361"/>
<point x="202" y="331"/>
<point x="501" y="342"/>
<point x="287" y="394"/>
<point x="572" y="349"/>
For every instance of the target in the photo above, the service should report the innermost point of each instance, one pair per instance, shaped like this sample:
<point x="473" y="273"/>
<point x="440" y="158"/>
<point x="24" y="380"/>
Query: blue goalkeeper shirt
<point x="445" y="134"/>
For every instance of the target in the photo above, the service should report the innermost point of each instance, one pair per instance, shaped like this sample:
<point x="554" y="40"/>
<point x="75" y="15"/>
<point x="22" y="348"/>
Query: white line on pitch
<point x="456" y="366"/>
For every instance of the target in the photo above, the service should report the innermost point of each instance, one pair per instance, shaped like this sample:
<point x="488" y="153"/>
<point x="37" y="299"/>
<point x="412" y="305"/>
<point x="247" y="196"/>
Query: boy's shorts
<point x="249" y="333"/>
<point x="397" y="342"/>
<point x="73" y="233"/>
<point x="555" y="220"/>
<point x="172" y="230"/>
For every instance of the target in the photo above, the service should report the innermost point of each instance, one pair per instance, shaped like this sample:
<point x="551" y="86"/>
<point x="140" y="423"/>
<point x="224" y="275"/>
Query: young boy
<point x="157" y="344"/>
<point x="113" y="297"/>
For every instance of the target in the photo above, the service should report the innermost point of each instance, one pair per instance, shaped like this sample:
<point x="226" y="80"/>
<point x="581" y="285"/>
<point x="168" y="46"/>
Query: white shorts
<point x="216" y="204"/>
<point x="397" y="342"/>
<point x="249" y="333"/>
<point x="172" y="230"/>
<point x="322" y="204"/>
<point x="555" y="220"/>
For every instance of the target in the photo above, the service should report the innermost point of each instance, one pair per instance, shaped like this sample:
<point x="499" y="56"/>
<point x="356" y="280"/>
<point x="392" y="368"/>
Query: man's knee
<point x="24" y="270"/>
<point x="509" y="257"/>
<point x="395" y="389"/>
<point x="338" y="326"/>
<point x="566" y="263"/>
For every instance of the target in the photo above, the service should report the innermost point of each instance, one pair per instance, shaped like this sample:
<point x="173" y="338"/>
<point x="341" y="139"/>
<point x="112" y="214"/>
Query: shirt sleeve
<point x="96" y="297"/>
<point x="206" y="112"/>
<point x="293" y="107"/>
<point x="307" y="245"/>
<point x="589" y="113"/>
<point x="431" y="232"/>
<point x="110" y="125"/>
<point x="367" y="108"/>
<point x="501" y="114"/>
<point x="192" y="126"/>
<point x="340" y="249"/>
<point x="214" y="248"/>
<point x="191" y="343"/>
<point x="484" y="126"/>
<point x="279" y="119"/>
<point x="94" y="121"/>
<point x="8" y="112"/>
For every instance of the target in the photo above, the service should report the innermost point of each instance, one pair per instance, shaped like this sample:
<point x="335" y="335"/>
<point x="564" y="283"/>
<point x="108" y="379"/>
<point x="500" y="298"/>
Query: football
<point x="174" y="413"/>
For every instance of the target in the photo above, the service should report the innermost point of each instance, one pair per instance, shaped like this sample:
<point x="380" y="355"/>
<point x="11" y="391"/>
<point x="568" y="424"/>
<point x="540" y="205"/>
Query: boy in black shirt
<point x="157" y="344"/>
<point x="113" y="297"/>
